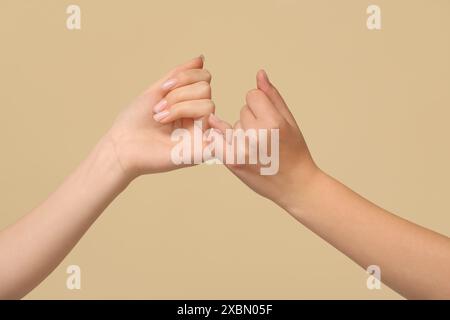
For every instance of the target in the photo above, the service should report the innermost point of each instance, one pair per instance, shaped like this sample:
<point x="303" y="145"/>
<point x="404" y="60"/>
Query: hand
<point x="141" y="135"/>
<point x="266" y="109"/>
<point x="346" y="220"/>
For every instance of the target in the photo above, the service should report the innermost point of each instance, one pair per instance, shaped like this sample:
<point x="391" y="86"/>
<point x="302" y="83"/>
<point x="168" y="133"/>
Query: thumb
<point x="264" y="84"/>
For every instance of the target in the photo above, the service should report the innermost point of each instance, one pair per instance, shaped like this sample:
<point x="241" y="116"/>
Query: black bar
<point x="224" y="309"/>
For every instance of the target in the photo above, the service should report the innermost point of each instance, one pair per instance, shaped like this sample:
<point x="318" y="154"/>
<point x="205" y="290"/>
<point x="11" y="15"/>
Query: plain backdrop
<point x="373" y="106"/>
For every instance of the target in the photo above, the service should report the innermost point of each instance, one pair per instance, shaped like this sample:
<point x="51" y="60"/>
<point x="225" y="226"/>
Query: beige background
<point x="373" y="105"/>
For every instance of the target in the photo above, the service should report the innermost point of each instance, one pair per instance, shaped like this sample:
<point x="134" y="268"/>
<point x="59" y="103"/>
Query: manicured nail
<point x="160" y="116"/>
<point x="160" y="106"/>
<point x="169" y="84"/>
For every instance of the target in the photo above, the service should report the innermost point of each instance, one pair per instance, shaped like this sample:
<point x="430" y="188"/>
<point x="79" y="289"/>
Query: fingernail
<point x="266" y="77"/>
<point x="160" y="106"/>
<point x="202" y="57"/>
<point x="169" y="84"/>
<point x="160" y="116"/>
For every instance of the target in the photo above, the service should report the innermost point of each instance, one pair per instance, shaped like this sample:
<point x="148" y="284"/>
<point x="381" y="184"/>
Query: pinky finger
<point x="187" y="109"/>
<point x="218" y="124"/>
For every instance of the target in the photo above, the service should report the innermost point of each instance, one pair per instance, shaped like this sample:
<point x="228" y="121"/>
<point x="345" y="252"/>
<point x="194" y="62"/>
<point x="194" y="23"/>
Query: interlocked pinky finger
<point x="192" y="109"/>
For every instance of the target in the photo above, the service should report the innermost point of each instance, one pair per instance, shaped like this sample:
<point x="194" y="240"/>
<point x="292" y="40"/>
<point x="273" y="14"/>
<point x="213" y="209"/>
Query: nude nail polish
<point x="160" y="106"/>
<point x="169" y="84"/>
<point x="161" y="115"/>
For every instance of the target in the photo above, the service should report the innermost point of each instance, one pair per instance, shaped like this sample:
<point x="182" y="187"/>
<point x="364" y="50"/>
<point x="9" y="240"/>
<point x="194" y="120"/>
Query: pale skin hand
<point x="142" y="135"/>
<point x="414" y="261"/>
<point x="136" y="144"/>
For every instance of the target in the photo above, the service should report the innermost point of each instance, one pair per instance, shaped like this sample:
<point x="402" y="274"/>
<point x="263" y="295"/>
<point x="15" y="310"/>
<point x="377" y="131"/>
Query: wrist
<point x="304" y="183"/>
<point x="103" y="168"/>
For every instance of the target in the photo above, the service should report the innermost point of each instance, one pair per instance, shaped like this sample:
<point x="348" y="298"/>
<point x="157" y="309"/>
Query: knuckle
<point x="204" y="85"/>
<point x="274" y="123"/>
<point x="252" y="94"/>
<point x="208" y="75"/>
<point x="180" y="78"/>
<point x="211" y="106"/>
<point x="171" y="97"/>
<point x="205" y="88"/>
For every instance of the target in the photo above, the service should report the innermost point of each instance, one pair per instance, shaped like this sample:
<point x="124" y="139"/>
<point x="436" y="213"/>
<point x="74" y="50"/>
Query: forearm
<point x="31" y="248"/>
<point x="414" y="261"/>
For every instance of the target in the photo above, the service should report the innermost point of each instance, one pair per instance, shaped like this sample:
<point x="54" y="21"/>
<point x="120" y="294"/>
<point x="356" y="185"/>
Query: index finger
<point x="166" y="83"/>
<point x="261" y="106"/>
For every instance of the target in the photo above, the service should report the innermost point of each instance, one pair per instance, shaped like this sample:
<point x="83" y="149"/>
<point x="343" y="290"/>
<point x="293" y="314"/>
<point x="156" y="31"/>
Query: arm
<point x="139" y="142"/>
<point x="414" y="261"/>
<point x="32" y="247"/>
